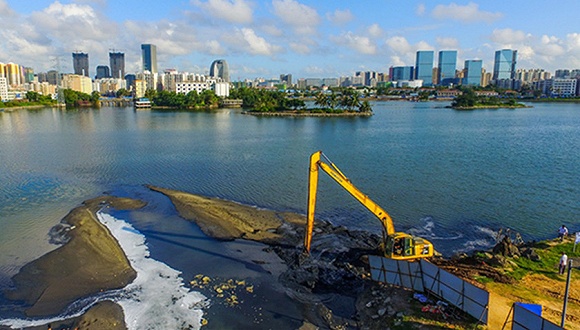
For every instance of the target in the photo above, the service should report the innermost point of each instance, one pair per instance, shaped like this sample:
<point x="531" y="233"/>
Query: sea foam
<point x="156" y="299"/>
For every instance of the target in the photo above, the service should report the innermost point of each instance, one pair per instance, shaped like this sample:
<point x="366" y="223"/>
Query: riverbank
<point x="331" y="288"/>
<point x="89" y="262"/>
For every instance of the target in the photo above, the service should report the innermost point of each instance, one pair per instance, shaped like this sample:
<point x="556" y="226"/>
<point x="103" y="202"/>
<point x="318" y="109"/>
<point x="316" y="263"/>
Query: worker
<point x="398" y="247"/>
<point x="563" y="262"/>
<point x="563" y="231"/>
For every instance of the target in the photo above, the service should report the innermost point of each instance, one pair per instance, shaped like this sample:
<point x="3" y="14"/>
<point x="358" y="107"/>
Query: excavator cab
<point x="402" y="246"/>
<point x="397" y="245"/>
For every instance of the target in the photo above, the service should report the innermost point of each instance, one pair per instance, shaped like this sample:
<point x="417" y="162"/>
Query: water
<point x="453" y="177"/>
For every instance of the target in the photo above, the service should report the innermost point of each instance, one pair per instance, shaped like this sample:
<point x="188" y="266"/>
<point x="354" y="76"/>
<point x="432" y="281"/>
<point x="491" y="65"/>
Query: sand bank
<point x="90" y="262"/>
<point x="228" y="220"/>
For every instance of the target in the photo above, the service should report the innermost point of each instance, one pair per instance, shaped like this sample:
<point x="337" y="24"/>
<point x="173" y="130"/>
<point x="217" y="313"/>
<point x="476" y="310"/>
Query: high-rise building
<point x="401" y="73"/>
<point x="81" y="63"/>
<point x="472" y="74"/>
<point x="504" y="66"/>
<point x="102" y="72"/>
<point x="149" y="57"/>
<point x="219" y="68"/>
<point x="117" y="64"/>
<point x="424" y="67"/>
<point x="286" y="78"/>
<point x="447" y="64"/>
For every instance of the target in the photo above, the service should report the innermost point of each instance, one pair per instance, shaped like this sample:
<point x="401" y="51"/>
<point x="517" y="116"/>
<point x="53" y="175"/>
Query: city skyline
<point x="269" y="38"/>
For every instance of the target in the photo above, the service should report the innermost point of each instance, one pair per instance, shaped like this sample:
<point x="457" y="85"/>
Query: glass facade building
<point x="424" y="67"/>
<point x="446" y="67"/>
<point x="219" y="68"/>
<point x="402" y="73"/>
<point x="504" y="66"/>
<point x="149" y="57"/>
<point x="472" y="74"/>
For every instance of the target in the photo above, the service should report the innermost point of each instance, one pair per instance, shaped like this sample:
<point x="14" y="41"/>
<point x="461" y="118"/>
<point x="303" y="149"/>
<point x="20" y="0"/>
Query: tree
<point x="365" y="106"/>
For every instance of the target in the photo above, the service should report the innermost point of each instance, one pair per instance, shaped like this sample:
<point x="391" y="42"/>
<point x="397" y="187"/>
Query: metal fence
<point x="525" y="319"/>
<point x="423" y="276"/>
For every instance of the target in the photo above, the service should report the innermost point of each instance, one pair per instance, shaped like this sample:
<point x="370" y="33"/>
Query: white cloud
<point x="214" y="47"/>
<point x="468" y="14"/>
<point x="375" y="31"/>
<point x="302" y="18"/>
<point x="70" y="22"/>
<point x="5" y="10"/>
<point x="257" y="45"/>
<point x="300" y="48"/>
<point x="360" y="44"/>
<point x="508" y="37"/>
<point x="399" y="45"/>
<point x="421" y="9"/>
<point x="235" y="11"/>
<point x="402" y="52"/>
<point x="271" y="30"/>
<point x="447" y="42"/>
<point x="340" y="17"/>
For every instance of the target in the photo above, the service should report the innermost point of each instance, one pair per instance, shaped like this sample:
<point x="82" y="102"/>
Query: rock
<point x="530" y="254"/>
<point x="506" y="248"/>
<point x="382" y="311"/>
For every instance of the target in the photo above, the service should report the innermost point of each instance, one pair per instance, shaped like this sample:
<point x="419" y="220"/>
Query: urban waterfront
<point x="454" y="177"/>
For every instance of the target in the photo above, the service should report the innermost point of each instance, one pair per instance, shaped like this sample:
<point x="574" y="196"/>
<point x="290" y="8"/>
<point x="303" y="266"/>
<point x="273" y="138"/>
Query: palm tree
<point x="321" y="100"/>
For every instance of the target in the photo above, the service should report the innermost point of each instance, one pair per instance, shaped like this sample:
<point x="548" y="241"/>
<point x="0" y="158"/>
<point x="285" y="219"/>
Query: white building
<point x="564" y="87"/>
<point x="221" y="89"/>
<point x="3" y="89"/>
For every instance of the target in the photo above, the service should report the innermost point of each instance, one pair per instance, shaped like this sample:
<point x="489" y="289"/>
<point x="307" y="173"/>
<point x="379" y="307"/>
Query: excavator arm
<point x="332" y="170"/>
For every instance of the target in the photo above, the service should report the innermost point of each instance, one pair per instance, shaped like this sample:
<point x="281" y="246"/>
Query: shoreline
<point x="90" y="261"/>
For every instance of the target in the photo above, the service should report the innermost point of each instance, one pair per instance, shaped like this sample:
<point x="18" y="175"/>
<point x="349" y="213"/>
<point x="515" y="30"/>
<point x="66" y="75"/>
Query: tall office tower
<point x="424" y="67"/>
<point x="102" y="72"/>
<point x="219" y="68"/>
<point x="504" y="66"/>
<point x="28" y="74"/>
<point x="117" y="64"/>
<point x="81" y="63"/>
<point x="472" y="75"/>
<point x="401" y="73"/>
<point x="447" y="64"/>
<point x="149" y="57"/>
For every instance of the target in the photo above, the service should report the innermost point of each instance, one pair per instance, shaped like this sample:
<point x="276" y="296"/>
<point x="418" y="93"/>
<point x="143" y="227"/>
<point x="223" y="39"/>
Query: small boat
<point x="142" y="103"/>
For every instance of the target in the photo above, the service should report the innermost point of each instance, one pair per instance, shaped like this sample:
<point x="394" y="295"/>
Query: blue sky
<point x="305" y="38"/>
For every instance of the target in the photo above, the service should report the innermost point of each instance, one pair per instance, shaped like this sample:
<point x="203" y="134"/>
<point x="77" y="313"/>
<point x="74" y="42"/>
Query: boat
<point x="142" y="103"/>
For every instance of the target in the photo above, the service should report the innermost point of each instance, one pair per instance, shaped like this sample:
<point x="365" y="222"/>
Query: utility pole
<point x="566" y="294"/>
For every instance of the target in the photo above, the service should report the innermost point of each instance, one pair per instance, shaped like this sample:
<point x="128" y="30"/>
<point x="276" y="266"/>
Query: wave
<point x="156" y="299"/>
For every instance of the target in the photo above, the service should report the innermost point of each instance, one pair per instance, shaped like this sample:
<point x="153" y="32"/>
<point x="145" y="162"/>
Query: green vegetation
<point x="191" y="100"/>
<point x="32" y="99"/>
<point x="77" y="99"/>
<point x="262" y="100"/>
<point x="470" y="100"/>
<point x="332" y="101"/>
<point x="549" y="258"/>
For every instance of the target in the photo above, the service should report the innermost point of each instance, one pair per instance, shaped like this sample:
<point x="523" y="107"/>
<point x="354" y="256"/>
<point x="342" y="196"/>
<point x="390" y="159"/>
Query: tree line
<point x="330" y="101"/>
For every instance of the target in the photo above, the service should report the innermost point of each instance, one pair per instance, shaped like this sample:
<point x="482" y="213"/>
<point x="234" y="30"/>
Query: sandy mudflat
<point x="228" y="220"/>
<point x="90" y="262"/>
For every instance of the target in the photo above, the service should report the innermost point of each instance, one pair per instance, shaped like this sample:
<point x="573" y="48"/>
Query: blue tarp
<point x="536" y="309"/>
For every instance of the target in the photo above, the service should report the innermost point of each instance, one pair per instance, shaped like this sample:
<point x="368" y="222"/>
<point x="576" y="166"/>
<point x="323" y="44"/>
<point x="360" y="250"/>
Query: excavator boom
<point x="332" y="170"/>
<point x="400" y="246"/>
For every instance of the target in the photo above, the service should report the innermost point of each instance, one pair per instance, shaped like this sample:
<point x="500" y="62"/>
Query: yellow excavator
<point x="396" y="245"/>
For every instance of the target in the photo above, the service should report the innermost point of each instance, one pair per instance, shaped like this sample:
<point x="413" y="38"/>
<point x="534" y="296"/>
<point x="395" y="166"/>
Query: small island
<point x="470" y="100"/>
<point x="342" y="102"/>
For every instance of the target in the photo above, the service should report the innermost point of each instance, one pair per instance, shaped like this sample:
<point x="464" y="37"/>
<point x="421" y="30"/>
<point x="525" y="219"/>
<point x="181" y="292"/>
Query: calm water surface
<point x="454" y="177"/>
